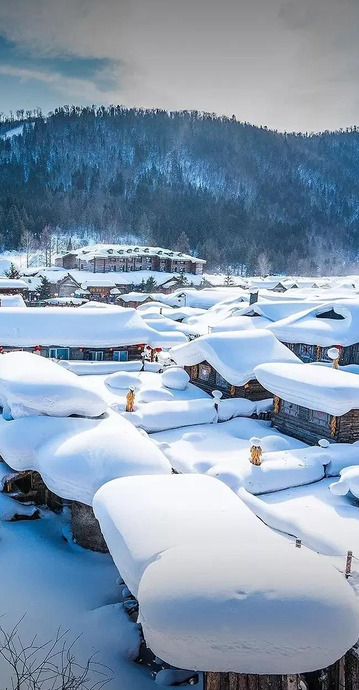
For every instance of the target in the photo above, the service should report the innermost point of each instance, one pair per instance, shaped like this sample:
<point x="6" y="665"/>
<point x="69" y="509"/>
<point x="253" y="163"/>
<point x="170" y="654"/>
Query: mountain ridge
<point x="236" y="193"/>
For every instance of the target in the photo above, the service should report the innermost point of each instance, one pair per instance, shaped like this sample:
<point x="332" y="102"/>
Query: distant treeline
<point x="242" y="197"/>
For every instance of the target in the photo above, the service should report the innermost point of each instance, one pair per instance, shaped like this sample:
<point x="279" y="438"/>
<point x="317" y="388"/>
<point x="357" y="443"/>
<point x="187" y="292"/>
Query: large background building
<point x="103" y="258"/>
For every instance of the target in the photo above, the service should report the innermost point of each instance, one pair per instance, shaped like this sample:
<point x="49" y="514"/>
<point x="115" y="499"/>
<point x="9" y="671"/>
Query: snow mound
<point x="33" y="385"/>
<point x="264" y="608"/>
<point x="75" y="459"/>
<point x="123" y="380"/>
<point x="272" y="443"/>
<point x="12" y="301"/>
<point x="154" y="394"/>
<point x="235" y="407"/>
<point x="162" y="415"/>
<point x="176" y="378"/>
<point x="88" y="368"/>
<point x="349" y="481"/>
<point x="10" y="509"/>
<point x="279" y="470"/>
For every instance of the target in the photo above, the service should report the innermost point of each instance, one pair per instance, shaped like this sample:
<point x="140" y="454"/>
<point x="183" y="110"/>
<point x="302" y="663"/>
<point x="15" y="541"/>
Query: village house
<point x="225" y="361"/>
<point x="104" y="258"/>
<point x="313" y="401"/>
<point x="311" y="332"/>
<point x="79" y="333"/>
<point x="13" y="286"/>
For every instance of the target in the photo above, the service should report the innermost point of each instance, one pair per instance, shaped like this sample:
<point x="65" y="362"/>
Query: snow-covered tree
<point x="45" y="290"/>
<point x="12" y="272"/>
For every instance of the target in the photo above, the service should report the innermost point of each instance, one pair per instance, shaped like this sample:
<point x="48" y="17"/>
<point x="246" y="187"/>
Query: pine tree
<point x="182" y="279"/>
<point x="150" y="284"/>
<point x="142" y="286"/>
<point x="44" y="291"/>
<point x="12" y="272"/>
<point x="228" y="281"/>
<point x="182" y="244"/>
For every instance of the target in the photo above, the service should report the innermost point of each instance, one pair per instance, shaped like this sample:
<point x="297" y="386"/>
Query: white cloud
<point x="289" y="64"/>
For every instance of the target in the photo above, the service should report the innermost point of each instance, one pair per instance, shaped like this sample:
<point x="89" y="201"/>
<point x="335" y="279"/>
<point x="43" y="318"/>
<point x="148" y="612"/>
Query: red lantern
<point x="148" y="347"/>
<point x="37" y="348"/>
<point x="158" y="349"/>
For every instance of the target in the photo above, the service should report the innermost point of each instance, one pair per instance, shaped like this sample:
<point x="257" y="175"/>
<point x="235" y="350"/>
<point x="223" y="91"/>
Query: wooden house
<point x="226" y="360"/>
<point x="103" y="334"/>
<point x="312" y="401"/>
<point x="310" y="333"/>
<point x="13" y="286"/>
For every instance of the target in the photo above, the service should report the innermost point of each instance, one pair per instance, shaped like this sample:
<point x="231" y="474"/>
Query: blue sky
<point x="289" y="64"/>
<point x="34" y="79"/>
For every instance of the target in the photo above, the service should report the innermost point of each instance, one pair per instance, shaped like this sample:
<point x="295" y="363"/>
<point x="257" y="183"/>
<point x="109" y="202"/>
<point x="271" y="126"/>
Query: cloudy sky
<point x="289" y="64"/>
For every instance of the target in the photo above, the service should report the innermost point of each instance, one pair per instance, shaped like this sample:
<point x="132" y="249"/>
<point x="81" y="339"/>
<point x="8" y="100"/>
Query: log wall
<point x="343" y="675"/>
<point x="301" y="427"/>
<point x="86" y="529"/>
<point x="253" y="390"/>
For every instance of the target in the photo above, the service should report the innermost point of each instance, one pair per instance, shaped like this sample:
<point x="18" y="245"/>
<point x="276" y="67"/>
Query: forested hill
<point x="237" y="191"/>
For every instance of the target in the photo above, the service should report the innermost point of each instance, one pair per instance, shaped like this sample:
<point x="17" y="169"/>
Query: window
<point x="331" y="314"/>
<point x="319" y="418"/>
<point x="220" y="381"/>
<point x="120" y="356"/>
<point x="307" y="352"/>
<point x="96" y="356"/>
<point x="204" y="372"/>
<point x="290" y="409"/>
<point x="59" y="353"/>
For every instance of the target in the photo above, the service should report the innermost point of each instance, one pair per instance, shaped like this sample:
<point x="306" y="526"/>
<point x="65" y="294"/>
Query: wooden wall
<point x="301" y="427"/>
<point x="253" y="390"/>
<point x="342" y="675"/>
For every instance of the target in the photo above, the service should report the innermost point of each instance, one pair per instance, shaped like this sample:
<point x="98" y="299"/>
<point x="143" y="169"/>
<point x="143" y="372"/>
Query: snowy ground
<point x="57" y="584"/>
<point x="200" y="448"/>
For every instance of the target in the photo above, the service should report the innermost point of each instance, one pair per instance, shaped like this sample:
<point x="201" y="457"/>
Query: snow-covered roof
<point x="76" y="456"/>
<point x="317" y="388"/>
<point x="234" y="354"/>
<point x="203" y="299"/>
<point x="90" y="252"/>
<point x="331" y="323"/>
<point x="275" y="310"/>
<point x="210" y="580"/>
<point x="12" y="284"/>
<point x="240" y="323"/>
<point x="135" y="296"/>
<point x="169" y="506"/>
<point x="79" y="327"/>
<point x="252" y="607"/>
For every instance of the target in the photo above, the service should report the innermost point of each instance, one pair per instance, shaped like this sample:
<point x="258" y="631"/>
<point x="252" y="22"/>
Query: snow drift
<point x="34" y="385"/>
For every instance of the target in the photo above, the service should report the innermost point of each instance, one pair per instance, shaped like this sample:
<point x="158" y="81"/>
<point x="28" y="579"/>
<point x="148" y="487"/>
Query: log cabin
<point x="312" y="401"/>
<point x="310" y="333"/>
<point x="80" y="333"/>
<point x="226" y="360"/>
